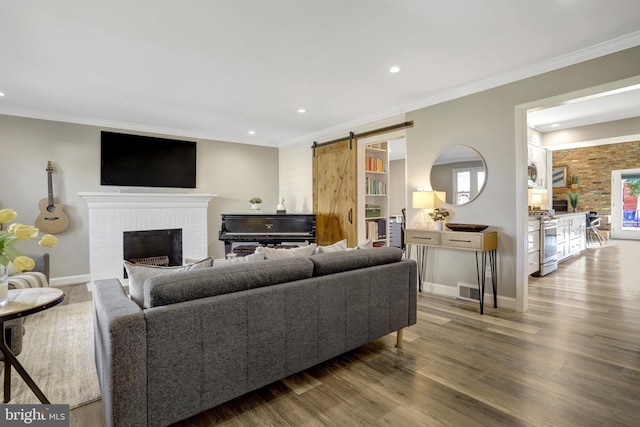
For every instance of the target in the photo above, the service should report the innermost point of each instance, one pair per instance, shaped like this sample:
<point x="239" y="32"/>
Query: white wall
<point x="235" y="172"/>
<point x="296" y="178"/>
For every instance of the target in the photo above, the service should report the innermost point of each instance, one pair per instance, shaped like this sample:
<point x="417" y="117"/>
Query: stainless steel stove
<point x="548" y="241"/>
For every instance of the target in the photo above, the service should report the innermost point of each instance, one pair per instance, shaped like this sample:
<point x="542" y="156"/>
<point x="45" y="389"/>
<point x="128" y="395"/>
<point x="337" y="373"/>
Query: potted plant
<point x="573" y="199"/>
<point x="255" y="202"/>
<point x="439" y="215"/>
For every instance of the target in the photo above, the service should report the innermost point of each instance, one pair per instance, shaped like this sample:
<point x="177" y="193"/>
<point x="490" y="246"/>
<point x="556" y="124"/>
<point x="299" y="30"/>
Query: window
<point x="467" y="183"/>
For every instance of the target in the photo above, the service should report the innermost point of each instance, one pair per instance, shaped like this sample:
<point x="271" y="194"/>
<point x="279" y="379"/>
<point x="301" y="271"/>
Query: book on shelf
<point x="374" y="164"/>
<point x="377" y="229"/>
<point x="375" y="187"/>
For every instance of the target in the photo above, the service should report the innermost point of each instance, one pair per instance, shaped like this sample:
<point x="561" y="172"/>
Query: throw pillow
<point x="273" y="253"/>
<point x="336" y="247"/>
<point x="367" y="244"/>
<point x="239" y="260"/>
<point x="139" y="273"/>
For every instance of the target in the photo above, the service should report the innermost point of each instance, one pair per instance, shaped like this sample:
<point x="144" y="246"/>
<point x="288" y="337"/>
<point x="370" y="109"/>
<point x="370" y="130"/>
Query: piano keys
<point x="267" y="229"/>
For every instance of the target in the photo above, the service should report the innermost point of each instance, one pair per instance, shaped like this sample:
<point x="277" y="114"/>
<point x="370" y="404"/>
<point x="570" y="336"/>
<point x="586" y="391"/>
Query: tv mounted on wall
<point x="144" y="161"/>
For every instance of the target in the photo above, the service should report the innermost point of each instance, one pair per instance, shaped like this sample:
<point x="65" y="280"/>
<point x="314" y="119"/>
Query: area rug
<point x="57" y="352"/>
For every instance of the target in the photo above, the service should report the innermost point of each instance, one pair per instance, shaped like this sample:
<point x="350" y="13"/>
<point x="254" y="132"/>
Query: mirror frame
<point x="458" y="147"/>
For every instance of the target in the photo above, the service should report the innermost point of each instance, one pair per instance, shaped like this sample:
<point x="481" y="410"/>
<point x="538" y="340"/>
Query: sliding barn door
<point x="334" y="192"/>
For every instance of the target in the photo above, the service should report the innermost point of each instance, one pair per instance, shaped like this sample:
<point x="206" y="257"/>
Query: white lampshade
<point x="423" y="200"/>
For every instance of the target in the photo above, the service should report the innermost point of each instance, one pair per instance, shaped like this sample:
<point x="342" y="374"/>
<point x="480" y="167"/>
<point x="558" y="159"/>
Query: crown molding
<point x="592" y="52"/>
<point x="112" y="124"/>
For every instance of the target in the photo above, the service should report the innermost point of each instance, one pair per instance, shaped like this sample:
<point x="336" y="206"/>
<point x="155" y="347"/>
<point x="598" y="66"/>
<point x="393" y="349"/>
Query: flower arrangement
<point x="439" y="214"/>
<point x="9" y="238"/>
<point x="255" y="200"/>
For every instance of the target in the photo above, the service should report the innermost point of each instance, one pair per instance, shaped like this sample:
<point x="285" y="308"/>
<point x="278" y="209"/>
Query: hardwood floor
<point x="572" y="360"/>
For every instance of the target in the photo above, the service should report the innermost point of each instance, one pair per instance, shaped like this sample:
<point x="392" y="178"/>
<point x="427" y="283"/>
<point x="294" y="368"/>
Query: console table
<point x="483" y="243"/>
<point x="23" y="302"/>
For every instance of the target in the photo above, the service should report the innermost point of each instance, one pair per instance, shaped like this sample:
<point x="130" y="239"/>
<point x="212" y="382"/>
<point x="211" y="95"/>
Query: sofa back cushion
<point x="335" y="262"/>
<point x="190" y="285"/>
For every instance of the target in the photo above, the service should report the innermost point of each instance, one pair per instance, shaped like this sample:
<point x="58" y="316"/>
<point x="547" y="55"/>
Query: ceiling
<point x="617" y="104"/>
<point x="220" y="69"/>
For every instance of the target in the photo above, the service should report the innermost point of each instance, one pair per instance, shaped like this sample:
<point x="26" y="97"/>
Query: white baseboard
<point x="508" y="303"/>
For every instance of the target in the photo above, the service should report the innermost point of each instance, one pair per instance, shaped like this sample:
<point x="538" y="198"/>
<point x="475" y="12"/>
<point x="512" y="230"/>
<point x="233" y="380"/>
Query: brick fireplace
<point x="113" y="214"/>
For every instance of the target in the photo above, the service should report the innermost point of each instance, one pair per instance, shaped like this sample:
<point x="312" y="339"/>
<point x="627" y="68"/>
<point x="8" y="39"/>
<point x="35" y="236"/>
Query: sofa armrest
<point x="120" y="354"/>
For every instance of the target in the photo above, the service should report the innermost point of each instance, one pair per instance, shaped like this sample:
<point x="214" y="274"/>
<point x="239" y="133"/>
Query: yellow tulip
<point x="12" y="227"/>
<point x="49" y="241"/>
<point x="25" y="232"/>
<point x="7" y="215"/>
<point x="23" y="263"/>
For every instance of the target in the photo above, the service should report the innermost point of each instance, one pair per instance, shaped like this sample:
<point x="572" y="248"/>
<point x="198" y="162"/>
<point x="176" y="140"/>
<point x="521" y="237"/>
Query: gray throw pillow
<point x="139" y="273"/>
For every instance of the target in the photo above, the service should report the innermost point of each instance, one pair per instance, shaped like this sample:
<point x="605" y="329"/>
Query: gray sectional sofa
<point x="207" y="336"/>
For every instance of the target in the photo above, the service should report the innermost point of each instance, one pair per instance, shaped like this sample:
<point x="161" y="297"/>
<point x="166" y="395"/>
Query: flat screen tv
<point x="143" y="161"/>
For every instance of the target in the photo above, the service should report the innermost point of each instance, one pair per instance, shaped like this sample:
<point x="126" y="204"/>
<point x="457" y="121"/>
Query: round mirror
<point x="458" y="174"/>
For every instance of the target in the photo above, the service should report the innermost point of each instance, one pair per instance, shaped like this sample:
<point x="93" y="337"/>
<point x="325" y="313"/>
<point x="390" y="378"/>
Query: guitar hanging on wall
<point x="52" y="219"/>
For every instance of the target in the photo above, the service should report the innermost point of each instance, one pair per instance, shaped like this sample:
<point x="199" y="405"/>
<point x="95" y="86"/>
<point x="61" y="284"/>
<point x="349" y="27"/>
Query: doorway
<point x="625" y="209"/>
<point x="521" y="142"/>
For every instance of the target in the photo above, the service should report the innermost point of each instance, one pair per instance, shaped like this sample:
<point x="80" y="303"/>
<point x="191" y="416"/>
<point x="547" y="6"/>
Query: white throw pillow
<point x="239" y="260"/>
<point x="273" y="253"/>
<point x="139" y="273"/>
<point x="367" y="244"/>
<point x="336" y="247"/>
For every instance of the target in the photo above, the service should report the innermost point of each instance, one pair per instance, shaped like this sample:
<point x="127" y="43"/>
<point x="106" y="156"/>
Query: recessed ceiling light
<point x="555" y="125"/>
<point x="1" y="94"/>
<point x="301" y="110"/>
<point x="252" y="132"/>
<point x="394" y="69"/>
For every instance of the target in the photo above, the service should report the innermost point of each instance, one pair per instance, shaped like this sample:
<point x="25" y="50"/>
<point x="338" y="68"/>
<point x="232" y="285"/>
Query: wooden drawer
<point x="422" y="237"/>
<point x="533" y="262"/>
<point x="533" y="241"/>
<point x="462" y="240"/>
<point x="533" y="225"/>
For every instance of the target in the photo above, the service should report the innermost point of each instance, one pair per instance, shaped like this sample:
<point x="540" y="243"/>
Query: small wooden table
<point x="23" y="302"/>
<point x="482" y="242"/>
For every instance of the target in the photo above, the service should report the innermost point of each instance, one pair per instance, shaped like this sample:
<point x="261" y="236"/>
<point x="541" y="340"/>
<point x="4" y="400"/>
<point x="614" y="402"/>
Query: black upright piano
<point x="267" y="229"/>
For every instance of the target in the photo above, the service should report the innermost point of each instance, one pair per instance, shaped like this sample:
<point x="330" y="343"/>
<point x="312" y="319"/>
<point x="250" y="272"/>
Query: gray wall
<point x="486" y="122"/>
<point x="397" y="186"/>
<point x="235" y="172"/>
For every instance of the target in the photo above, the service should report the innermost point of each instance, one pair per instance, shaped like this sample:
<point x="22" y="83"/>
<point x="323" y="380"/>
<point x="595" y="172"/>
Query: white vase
<point x="4" y="286"/>
<point x="438" y="225"/>
<point x="255" y="206"/>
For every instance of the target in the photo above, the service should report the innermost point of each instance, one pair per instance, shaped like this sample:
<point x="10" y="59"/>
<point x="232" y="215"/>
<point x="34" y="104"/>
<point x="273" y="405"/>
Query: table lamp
<point x="423" y="200"/>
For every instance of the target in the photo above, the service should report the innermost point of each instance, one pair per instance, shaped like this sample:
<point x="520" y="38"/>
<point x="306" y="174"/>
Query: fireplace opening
<point x="153" y="247"/>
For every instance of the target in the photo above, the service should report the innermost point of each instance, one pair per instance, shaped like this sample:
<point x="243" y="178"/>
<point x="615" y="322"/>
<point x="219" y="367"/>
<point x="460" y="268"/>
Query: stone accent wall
<point x="594" y="165"/>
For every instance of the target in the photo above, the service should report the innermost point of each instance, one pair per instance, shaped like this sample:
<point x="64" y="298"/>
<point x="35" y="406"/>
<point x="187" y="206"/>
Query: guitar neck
<point x="50" y="185"/>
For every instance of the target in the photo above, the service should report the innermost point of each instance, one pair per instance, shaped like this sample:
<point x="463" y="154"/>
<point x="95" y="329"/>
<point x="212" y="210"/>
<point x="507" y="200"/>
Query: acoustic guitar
<point x="52" y="219"/>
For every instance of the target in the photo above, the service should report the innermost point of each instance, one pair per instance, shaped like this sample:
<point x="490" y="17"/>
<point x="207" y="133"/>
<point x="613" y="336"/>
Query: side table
<point x="23" y="302"/>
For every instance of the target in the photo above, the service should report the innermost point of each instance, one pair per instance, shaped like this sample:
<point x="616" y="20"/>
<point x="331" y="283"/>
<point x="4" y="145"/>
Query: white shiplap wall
<point x="296" y="178"/>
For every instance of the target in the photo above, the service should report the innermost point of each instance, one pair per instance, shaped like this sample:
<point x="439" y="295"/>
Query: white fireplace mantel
<point x="128" y="200"/>
<point x="112" y="214"/>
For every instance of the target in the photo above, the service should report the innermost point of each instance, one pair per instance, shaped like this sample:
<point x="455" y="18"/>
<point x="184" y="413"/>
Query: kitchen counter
<point x="567" y="214"/>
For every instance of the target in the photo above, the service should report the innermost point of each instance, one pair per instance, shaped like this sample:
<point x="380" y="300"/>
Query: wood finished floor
<point x="572" y="360"/>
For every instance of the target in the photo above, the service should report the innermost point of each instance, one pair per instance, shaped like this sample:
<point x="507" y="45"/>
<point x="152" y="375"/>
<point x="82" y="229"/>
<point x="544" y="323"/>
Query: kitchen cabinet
<point x="571" y="234"/>
<point x="533" y="246"/>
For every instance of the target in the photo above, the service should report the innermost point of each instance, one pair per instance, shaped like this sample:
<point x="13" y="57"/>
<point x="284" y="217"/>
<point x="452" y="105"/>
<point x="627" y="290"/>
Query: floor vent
<point x="468" y="292"/>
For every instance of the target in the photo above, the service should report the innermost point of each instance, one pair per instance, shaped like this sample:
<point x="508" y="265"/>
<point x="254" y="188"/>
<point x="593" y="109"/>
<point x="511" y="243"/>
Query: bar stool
<point x="593" y="234"/>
